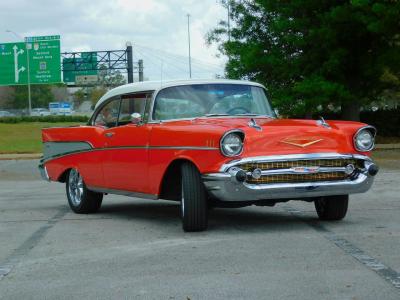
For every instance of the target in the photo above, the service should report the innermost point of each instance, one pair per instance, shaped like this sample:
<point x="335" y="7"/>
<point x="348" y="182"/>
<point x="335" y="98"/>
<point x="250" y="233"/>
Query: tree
<point x="313" y="53"/>
<point x="110" y="78"/>
<point x="41" y="96"/>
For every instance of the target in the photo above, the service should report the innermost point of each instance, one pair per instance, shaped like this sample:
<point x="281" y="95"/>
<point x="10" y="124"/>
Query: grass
<point x="24" y="137"/>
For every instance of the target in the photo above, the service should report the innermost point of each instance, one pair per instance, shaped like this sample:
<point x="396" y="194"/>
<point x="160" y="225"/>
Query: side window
<point x="131" y="104"/>
<point x="108" y="115"/>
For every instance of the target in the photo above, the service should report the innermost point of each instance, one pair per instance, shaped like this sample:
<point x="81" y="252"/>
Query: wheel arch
<point x="63" y="177"/>
<point x="170" y="187"/>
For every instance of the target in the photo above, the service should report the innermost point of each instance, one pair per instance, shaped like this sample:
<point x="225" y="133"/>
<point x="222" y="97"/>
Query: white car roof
<point x="144" y="86"/>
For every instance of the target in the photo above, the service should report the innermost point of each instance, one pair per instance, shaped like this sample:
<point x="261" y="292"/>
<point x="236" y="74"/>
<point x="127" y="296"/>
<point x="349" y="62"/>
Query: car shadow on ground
<point x="167" y="214"/>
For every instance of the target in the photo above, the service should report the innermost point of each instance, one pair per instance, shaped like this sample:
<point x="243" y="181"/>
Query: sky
<point x="157" y="30"/>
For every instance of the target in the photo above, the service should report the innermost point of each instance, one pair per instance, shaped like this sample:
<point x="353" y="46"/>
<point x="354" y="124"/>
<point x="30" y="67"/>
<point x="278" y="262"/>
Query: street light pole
<point x="27" y="67"/>
<point x="190" y="57"/>
<point x="229" y="22"/>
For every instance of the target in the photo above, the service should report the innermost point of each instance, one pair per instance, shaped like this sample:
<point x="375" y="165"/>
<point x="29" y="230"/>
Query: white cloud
<point x="153" y="27"/>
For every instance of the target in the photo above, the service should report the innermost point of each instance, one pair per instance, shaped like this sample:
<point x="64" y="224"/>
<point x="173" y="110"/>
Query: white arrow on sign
<point x="17" y="70"/>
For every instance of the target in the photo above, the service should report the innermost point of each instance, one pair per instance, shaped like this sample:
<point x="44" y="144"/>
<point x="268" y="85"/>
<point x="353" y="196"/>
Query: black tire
<point x="194" y="211"/>
<point x="332" y="208"/>
<point x="80" y="199"/>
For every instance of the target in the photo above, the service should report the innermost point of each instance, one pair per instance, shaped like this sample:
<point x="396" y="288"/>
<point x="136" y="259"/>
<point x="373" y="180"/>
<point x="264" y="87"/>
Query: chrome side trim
<point x="181" y="148"/>
<point x="291" y="157"/>
<point x="123" y="193"/>
<point x="46" y="159"/>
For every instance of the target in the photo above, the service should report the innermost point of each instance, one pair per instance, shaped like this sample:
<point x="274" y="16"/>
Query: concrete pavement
<point x="135" y="248"/>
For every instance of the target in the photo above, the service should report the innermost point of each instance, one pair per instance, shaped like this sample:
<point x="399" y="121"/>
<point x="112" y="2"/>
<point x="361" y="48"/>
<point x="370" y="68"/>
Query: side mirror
<point x="136" y="118"/>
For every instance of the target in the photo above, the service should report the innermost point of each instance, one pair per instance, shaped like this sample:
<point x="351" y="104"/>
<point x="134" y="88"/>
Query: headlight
<point x="364" y="139"/>
<point x="232" y="144"/>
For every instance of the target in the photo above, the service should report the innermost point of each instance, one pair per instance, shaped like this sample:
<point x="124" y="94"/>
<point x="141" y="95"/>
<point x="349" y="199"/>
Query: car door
<point x="125" y="165"/>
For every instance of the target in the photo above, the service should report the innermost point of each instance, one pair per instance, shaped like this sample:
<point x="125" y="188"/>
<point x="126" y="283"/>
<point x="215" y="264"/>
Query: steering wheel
<point x="237" y="110"/>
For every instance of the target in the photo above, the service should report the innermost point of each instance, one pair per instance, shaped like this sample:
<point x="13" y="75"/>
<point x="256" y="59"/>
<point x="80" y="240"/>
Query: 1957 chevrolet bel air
<point x="205" y="144"/>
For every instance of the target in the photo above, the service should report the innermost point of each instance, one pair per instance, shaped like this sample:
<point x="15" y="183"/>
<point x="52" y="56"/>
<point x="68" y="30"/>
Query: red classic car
<point x="205" y="144"/>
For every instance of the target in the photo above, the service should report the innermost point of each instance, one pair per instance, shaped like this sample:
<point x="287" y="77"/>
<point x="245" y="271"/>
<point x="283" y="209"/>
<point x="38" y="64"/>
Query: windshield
<point x="198" y="100"/>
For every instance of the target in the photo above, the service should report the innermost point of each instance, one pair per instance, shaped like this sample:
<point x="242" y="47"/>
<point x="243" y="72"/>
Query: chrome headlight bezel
<point x="371" y="130"/>
<point x="236" y="134"/>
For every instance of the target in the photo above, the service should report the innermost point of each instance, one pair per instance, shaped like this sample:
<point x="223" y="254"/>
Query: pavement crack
<point x="29" y="244"/>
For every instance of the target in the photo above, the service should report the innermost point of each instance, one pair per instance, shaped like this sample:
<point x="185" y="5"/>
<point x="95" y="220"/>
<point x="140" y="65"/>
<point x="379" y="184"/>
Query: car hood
<point x="267" y="136"/>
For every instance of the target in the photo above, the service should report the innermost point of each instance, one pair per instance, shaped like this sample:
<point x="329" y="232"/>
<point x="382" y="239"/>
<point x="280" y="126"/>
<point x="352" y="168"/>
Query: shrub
<point x="47" y="119"/>
<point x="387" y="122"/>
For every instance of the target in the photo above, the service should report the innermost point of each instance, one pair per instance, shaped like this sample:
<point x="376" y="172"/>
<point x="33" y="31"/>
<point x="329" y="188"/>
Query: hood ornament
<point x="301" y="142"/>
<point x="323" y="123"/>
<point x="253" y="123"/>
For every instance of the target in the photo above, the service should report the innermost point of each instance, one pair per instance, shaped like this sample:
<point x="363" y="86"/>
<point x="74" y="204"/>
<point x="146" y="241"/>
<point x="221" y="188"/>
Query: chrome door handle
<point x="109" y="134"/>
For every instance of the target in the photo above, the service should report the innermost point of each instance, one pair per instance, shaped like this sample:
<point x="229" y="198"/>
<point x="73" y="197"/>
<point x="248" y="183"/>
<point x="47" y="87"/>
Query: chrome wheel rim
<point x="75" y="187"/>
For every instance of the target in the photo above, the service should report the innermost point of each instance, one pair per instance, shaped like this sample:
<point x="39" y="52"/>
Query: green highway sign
<point x="44" y="61"/>
<point x="79" y="66"/>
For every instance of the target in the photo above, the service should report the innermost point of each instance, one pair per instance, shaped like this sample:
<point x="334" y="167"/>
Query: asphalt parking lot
<point x="135" y="248"/>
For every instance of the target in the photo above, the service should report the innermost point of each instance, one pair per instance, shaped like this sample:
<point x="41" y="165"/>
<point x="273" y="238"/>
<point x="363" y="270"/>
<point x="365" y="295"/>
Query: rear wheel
<point x="332" y="207"/>
<point x="194" y="209"/>
<point x="80" y="199"/>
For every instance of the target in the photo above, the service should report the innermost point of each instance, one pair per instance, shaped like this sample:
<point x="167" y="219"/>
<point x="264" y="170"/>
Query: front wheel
<point x="332" y="208"/>
<point x="80" y="199"/>
<point x="194" y="210"/>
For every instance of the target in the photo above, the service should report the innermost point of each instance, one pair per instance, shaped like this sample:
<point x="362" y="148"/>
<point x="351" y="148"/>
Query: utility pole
<point x="130" y="61"/>
<point x="27" y="48"/>
<point x="140" y="64"/>
<point x="190" y="57"/>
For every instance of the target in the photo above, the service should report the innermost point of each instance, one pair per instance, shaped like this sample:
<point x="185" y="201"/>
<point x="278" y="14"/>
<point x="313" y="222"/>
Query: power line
<point x="179" y="56"/>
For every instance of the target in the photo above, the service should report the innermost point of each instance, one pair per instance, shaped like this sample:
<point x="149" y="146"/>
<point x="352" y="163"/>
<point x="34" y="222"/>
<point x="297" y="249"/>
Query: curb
<point x="21" y="156"/>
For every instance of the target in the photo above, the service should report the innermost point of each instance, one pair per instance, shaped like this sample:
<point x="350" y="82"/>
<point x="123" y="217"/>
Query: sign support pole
<point x="29" y="78"/>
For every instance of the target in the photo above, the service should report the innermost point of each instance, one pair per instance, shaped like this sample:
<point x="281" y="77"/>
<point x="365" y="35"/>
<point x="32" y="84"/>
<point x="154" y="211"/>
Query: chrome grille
<point x="301" y="177"/>
<point x="299" y="163"/>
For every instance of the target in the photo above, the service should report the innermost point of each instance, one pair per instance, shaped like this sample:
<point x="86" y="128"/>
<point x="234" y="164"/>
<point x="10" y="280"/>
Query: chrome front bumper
<point x="43" y="172"/>
<point x="225" y="186"/>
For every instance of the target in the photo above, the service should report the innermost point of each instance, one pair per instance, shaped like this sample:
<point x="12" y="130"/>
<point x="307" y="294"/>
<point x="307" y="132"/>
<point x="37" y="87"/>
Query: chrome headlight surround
<point x="364" y="138"/>
<point x="231" y="143"/>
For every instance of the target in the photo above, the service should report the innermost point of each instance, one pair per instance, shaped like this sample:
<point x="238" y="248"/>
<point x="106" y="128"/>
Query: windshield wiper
<point x="247" y="114"/>
<point x="216" y="115"/>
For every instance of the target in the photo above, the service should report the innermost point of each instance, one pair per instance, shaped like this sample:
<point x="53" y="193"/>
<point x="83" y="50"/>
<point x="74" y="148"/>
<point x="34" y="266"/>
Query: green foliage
<point x="41" y="96"/>
<point x="311" y="53"/>
<point x="386" y="121"/>
<point x="47" y="119"/>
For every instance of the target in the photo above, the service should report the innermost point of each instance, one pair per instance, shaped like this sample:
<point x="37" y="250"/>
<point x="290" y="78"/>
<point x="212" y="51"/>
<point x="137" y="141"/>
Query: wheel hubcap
<point x="75" y="187"/>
